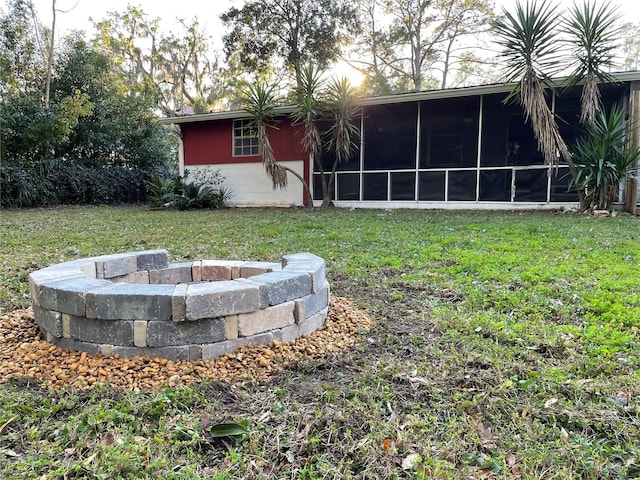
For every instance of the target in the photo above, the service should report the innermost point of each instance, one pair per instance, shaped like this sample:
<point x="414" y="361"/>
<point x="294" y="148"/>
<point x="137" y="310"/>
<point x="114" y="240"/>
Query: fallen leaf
<point x="410" y="461"/>
<point x="564" y="435"/>
<point x="386" y="445"/>
<point x="291" y="458"/>
<point x="228" y="429"/>
<point x="487" y="438"/>
<point x="393" y="414"/>
<point x="109" y="438"/>
<point x="204" y="421"/>
<point x="418" y="380"/>
<point x="550" y="402"/>
<point x="305" y="431"/>
<point x="512" y="463"/>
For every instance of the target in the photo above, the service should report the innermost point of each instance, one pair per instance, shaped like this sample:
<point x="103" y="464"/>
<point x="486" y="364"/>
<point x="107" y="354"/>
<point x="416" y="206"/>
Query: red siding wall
<point x="210" y="143"/>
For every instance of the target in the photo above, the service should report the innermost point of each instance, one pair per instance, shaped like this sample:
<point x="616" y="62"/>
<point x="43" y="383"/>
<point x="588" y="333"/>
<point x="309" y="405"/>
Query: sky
<point x="207" y="11"/>
<point x="75" y="14"/>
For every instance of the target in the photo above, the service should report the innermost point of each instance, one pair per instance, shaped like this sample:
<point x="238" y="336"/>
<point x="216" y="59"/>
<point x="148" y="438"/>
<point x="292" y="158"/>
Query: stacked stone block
<point x="137" y="304"/>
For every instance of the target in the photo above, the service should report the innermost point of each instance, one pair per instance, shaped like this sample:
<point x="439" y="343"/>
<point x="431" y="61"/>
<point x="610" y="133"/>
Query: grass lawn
<point x="505" y="345"/>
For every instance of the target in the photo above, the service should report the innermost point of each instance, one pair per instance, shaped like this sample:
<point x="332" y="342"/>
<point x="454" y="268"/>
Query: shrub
<point x="203" y="190"/>
<point x="55" y="182"/>
<point x="603" y="160"/>
<point x="161" y="191"/>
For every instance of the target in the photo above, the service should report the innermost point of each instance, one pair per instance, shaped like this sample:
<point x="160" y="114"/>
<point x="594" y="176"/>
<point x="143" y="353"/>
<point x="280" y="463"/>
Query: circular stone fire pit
<point x="137" y="304"/>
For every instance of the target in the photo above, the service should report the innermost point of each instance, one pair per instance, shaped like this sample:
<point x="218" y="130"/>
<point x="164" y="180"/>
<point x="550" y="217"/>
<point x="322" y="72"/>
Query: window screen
<point x="431" y="186"/>
<point x="531" y="185"/>
<point x="348" y="186"/>
<point x="560" y="191"/>
<point x="403" y="185"/>
<point x="374" y="186"/>
<point x="462" y="186"/>
<point x="495" y="185"/>
<point x="449" y="132"/>
<point x="390" y="137"/>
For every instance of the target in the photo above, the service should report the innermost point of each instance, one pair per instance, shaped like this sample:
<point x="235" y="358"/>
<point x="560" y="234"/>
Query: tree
<point x="122" y="129"/>
<point x="422" y="44"/>
<point x="21" y="52"/>
<point x="462" y="19"/>
<point x="189" y="71"/>
<point x="295" y="32"/>
<point x="334" y="107"/>
<point x="529" y="41"/>
<point x="593" y="41"/>
<point x="31" y="130"/>
<point x="260" y="101"/>
<point x="343" y="131"/>
<point x="175" y="69"/>
<point x="603" y="159"/>
<point x="95" y="142"/>
<point x="373" y="54"/>
<point x="307" y="111"/>
<point x="131" y="41"/>
<point x="410" y="21"/>
<point x="630" y="34"/>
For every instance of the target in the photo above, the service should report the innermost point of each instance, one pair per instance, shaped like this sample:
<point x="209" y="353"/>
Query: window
<point x="245" y="138"/>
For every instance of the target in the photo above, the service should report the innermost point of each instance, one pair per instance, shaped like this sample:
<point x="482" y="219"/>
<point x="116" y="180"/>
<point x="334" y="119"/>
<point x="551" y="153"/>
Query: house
<point x="462" y="148"/>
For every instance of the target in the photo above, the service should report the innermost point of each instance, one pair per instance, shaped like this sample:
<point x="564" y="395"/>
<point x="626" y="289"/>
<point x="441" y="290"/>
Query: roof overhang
<point x="390" y="99"/>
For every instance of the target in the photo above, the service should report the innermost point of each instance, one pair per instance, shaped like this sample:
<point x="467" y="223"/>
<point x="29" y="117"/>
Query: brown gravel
<point x="24" y="354"/>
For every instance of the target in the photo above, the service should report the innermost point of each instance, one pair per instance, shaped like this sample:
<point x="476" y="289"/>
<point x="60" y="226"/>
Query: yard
<point x="503" y="345"/>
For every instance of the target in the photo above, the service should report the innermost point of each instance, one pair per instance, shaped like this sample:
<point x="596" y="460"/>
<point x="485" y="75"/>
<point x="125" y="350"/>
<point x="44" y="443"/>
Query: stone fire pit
<point x="137" y="304"/>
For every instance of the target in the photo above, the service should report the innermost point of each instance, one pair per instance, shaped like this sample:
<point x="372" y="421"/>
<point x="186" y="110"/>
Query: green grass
<point x="505" y="344"/>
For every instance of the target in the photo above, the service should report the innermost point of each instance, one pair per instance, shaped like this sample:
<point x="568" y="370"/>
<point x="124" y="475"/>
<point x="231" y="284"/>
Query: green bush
<point x="203" y="190"/>
<point x="161" y="191"/>
<point x="603" y="160"/>
<point x="58" y="182"/>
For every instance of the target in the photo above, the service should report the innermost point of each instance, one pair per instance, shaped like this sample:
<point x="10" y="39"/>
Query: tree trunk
<point x="305" y="185"/>
<point x="47" y="89"/>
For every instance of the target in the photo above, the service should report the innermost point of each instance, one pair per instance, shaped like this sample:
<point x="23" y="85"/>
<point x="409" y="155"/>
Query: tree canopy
<point x="95" y="131"/>
<point x="294" y="32"/>
<point x="417" y="44"/>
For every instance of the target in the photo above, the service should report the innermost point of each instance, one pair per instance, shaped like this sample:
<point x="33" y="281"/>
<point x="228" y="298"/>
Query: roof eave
<point x="388" y="99"/>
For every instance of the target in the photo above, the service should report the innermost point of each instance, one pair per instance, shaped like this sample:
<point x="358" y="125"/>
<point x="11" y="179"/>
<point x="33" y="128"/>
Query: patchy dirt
<point x="25" y="354"/>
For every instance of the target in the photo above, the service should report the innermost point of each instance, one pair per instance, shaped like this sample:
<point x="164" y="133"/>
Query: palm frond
<point x="530" y="48"/>
<point x="593" y="38"/>
<point x="260" y="101"/>
<point x="543" y="122"/>
<point x="344" y="131"/>
<point x="308" y="107"/>
<point x="528" y="39"/>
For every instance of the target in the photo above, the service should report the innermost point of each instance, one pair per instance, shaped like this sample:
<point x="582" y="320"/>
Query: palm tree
<point x="593" y="41"/>
<point x="530" y="49"/>
<point x="343" y="131"/>
<point x="260" y="101"/>
<point x="307" y="111"/>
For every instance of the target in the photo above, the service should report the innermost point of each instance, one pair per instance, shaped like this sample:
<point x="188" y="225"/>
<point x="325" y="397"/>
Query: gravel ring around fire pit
<point x="26" y="354"/>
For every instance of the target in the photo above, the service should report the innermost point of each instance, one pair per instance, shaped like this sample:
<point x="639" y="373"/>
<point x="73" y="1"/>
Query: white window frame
<point x="245" y="138"/>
